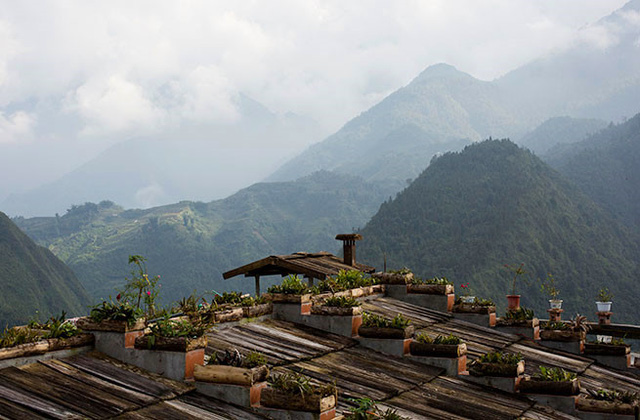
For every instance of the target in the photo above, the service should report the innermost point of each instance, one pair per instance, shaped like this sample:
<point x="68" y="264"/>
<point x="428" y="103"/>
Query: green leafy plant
<point x="342" y="302"/>
<point x="433" y="280"/>
<point x="373" y="320"/>
<point x="367" y="409"/>
<point x="402" y="271"/>
<point x="298" y="384"/>
<point x="231" y="298"/>
<point x="232" y="357"/>
<point x="15" y="336"/>
<point x="499" y="357"/>
<point x="292" y="285"/>
<point x="168" y="327"/>
<point x="115" y="311"/>
<point x="556" y="325"/>
<point x="483" y="302"/>
<point x="554" y="374"/>
<point x="60" y="328"/>
<point x="549" y="287"/>
<point x="252" y="301"/>
<point x="604" y="295"/>
<point x="439" y="339"/>
<point x="517" y="272"/>
<point x="613" y="395"/>
<point x="140" y="288"/>
<point x="520" y="314"/>
<point x="345" y="280"/>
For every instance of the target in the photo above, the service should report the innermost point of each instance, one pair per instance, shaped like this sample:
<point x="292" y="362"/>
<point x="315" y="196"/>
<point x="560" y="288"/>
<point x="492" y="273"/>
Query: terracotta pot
<point x="513" y="302"/>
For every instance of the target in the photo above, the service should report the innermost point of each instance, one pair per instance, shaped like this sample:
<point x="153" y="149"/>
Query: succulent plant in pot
<point x="549" y="287"/>
<point x="497" y="363"/>
<point x="603" y="300"/>
<point x="551" y="380"/>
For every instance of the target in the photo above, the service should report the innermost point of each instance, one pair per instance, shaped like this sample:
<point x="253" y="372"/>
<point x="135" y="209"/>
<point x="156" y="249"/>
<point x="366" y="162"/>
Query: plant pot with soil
<point x="553" y="381"/>
<point x="168" y="334"/>
<point x="433" y="286"/>
<point x="293" y="391"/>
<point x="403" y="276"/>
<point x="230" y="367"/>
<point x="440" y="346"/>
<point x="477" y="306"/>
<point x="610" y="402"/>
<point x="603" y="300"/>
<point x="499" y="364"/>
<point x="376" y="326"/>
<point x="615" y="347"/>
<point x="338" y="306"/>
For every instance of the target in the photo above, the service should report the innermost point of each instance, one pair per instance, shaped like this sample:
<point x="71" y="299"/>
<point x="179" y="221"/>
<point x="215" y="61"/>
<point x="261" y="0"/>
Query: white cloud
<point x="16" y="127"/>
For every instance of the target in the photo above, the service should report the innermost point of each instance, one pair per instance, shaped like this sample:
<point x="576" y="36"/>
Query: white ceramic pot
<point x="555" y="303"/>
<point x="467" y="299"/>
<point x="604" y="306"/>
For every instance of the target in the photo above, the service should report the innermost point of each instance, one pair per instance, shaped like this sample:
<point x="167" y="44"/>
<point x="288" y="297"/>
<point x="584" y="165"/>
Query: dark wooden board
<point x="210" y="404"/>
<point x="122" y="377"/>
<point x="9" y="410"/>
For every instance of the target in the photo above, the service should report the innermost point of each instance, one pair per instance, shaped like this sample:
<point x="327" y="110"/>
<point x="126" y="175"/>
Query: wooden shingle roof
<point x="319" y="265"/>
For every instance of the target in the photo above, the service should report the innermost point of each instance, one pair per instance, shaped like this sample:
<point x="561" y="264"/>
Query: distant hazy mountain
<point x="195" y="163"/>
<point x="560" y="130"/>
<point x="606" y="166"/>
<point x="440" y="110"/>
<point x="598" y="77"/>
<point x="492" y="204"/>
<point x="33" y="279"/>
<point x="191" y="244"/>
<point x="444" y="109"/>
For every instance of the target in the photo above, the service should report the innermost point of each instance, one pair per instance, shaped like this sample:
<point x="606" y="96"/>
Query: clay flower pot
<point x="386" y="332"/>
<point x="437" y="350"/>
<point x="497" y="369"/>
<point x="314" y="403"/>
<point x="513" y="302"/>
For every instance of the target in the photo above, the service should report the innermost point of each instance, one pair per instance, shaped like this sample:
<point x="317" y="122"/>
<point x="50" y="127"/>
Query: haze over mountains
<point x="464" y="217"/>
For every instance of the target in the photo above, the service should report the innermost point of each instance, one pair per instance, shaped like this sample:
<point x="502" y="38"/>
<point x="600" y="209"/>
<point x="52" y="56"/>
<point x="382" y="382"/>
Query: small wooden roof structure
<point x="319" y="265"/>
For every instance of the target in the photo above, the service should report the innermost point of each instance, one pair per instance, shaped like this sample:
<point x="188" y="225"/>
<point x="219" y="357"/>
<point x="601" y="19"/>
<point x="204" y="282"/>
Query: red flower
<point x="118" y="297"/>
<point x="148" y="293"/>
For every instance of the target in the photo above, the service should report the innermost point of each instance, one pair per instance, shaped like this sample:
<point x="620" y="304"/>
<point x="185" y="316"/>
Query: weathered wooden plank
<point x="538" y="355"/>
<point x="20" y="397"/>
<point x="122" y="377"/>
<point x="462" y="399"/>
<point x="74" y="399"/>
<point x="271" y="339"/>
<point x="403" y="402"/>
<point x="543" y="412"/>
<point x="598" y="377"/>
<point x="135" y="397"/>
<point x="9" y="410"/>
<point x="303" y="335"/>
<point x="80" y="390"/>
<point x="211" y="405"/>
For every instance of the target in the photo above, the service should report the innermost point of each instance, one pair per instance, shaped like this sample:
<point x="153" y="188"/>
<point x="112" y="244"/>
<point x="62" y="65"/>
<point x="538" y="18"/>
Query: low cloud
<point x="16" y="127"/>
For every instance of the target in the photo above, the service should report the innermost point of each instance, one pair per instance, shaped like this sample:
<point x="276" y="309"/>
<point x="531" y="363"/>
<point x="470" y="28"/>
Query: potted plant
<point x="603" y="301"/>
<point x="497" y="363"/>
<point x="367" y="409"/>
<point x="402" y="276"/>
<point x="338" y="306"/>
<point x="376" y="326"/>
<point x="610" y="401"/>
<point x="576" y="330"/>
<point x="294" y="391"/>
<point x="466" y="296"/>
<point x="255" y="307"/>
<point x="513" y="300"/>
<point x="432" y="286"/>
<point x="292" y="290"/>
<point x="551" y="380"/>
<point x="182" y="335"/>
<point x="521" y="317"/>
<point x="612" y="347"/>
<point x="231" y="367"/>
<point x="476" y="306"/>
<point x="549" y="287"/>
<point x="440" y="346"/>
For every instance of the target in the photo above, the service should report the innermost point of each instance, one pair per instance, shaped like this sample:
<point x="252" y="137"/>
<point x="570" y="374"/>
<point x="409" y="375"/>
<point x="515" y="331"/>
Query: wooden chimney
<point x="349" y="247"/>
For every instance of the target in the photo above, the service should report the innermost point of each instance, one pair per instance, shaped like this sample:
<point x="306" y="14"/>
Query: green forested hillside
<point x="190" y="244"/>
<point x="469" y="213"/>
<point x="33" y="279"/>
<point x="559" y="131"/>
<point x="606" y="166"/>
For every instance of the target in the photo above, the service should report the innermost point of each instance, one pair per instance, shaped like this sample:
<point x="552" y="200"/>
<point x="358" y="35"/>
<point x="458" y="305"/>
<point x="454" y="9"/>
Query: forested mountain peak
<point x="471" y="212"/>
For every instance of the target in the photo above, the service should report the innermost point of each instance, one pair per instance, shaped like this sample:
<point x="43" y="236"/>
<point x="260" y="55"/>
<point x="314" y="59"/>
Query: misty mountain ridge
<point x="191" y="244"/>
<point x="198" y="161"/>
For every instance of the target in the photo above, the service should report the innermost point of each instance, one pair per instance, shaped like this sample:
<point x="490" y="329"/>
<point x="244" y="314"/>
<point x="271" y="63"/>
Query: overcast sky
<point x="89" y="73"/>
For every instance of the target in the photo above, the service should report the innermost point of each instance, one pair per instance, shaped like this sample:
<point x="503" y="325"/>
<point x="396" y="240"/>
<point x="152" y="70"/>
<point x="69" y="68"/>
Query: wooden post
<point x="257" y="285"/>
<point x="310" y="281"/>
